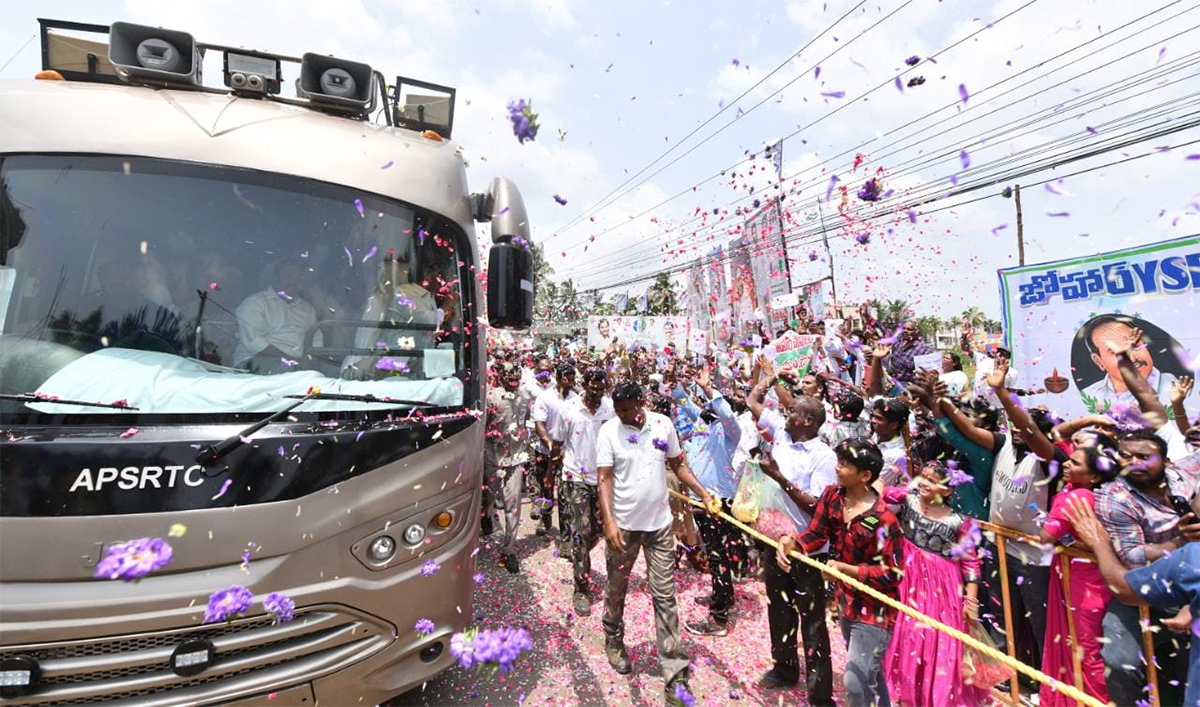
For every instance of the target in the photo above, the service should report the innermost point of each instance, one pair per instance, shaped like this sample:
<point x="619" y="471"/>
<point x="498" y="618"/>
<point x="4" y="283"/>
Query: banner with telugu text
<point x="1061" y="318"/>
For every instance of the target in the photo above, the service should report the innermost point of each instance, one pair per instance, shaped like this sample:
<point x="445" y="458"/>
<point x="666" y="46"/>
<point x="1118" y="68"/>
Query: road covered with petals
<point x="567" y="665"/>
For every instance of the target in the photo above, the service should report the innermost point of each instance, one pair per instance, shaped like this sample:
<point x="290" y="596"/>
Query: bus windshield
<point x="183" y="288"/>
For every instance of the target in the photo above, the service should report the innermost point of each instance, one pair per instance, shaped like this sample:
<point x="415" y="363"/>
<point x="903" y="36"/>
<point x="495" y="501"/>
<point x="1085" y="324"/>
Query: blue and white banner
<point x="1061" y="317"/>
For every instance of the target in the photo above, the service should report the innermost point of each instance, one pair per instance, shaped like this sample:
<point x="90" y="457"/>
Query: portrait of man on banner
<point x="1161" y="360"/>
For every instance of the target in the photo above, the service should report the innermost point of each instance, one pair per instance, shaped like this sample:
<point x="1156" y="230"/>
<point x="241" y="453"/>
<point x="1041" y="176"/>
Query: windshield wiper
<point x="31" y="398"/>
<point x="364" y="398"/>
<point x="213" y="452"/>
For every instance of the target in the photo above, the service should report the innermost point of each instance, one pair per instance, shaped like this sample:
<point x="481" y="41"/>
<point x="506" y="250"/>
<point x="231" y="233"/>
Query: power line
<point x="809" y="125"/>
<point x="591" y="209"/>
<point x="795" y="238"/>
<point x="1034" y="126"/>
<point x="1078" y="103"/>
<point x="970" y="108"/>
<point x="718" y="131"/>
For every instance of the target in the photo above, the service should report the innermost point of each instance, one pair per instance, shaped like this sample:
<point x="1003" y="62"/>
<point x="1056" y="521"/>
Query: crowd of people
<point x="885" y="471"/>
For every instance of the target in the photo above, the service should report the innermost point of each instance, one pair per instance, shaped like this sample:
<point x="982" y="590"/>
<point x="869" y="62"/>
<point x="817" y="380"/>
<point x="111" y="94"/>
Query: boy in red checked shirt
<point x="864" y="542"/>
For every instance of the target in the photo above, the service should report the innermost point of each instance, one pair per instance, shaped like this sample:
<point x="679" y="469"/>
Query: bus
<point x="252" y="325"/>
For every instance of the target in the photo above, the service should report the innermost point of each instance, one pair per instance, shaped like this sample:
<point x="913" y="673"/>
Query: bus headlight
<point x="382" y="548"/>
<point x="414" y="534"/>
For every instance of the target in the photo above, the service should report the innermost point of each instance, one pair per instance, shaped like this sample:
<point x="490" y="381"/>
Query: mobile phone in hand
<point x="1181" y="506"/>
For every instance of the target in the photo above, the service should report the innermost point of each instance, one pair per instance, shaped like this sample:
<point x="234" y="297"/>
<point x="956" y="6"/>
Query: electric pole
<point x="1020" y="228"/>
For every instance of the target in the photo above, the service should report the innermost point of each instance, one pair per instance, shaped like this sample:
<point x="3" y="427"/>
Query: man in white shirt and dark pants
<point x="632" y="453"/>
<point x="577" y="431"/>
<point x="803" y="466"/>
<point x="547" y="455"/>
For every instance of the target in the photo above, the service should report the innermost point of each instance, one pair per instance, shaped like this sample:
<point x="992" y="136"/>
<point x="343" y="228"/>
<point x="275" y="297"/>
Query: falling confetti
<point x="224" y="488"/>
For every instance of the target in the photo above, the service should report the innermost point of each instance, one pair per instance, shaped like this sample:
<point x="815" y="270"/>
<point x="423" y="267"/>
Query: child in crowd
<point x="941" y="579"/>
<point x="864" y="541"/>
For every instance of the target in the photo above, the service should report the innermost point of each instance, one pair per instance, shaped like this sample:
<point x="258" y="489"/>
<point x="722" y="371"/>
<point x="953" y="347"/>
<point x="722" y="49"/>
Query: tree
<point x="601" y="308"/>
<point x="929" y="326"/>
<point x="663" y="301"/>
<point x="974" y="318"/>
<point x="891" y="313"/>
<point x="545" y="292"/>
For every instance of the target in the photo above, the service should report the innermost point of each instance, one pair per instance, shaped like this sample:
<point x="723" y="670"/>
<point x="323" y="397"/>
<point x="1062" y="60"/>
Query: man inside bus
<point x="407" y="314"/>
<point x="272" y="323"/>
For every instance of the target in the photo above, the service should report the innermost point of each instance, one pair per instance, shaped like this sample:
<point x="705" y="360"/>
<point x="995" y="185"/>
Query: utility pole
<point x="828" y="252"/>
<point x="1020" y="228"/>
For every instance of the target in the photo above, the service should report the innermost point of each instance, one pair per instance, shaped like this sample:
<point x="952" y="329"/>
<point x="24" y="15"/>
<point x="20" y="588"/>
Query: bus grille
<point x="252" y="656"/>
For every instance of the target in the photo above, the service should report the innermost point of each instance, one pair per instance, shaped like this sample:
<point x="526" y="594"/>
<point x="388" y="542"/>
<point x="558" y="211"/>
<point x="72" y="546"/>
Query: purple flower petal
<point x="430" y="568"/>
<point x="358" y="206"/>
<point x="965" y="159"/>
<point x="962" y="92"/>
<point x="561" y="201"/>
<point x="134" y="559"/>
<point x="834" y="94"/>
<point x="225" y="604"/>
<point x="833" y="180"/>
<point x="870" y="190"/>
<point x="281" y="606"/>
<point x="224" y="488"/>
<point x="913" y="60"/>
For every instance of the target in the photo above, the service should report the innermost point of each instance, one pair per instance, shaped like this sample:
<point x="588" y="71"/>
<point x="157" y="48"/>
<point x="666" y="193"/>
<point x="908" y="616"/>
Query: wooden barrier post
<point x="1148" y="643"/>
<point x="1011" y="635"/>
<point x="1076" y="649"/>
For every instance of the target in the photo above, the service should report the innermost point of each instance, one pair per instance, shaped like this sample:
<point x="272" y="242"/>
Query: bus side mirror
<point x="510" y="286"/>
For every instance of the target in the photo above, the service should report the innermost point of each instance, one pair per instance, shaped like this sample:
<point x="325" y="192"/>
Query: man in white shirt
<point x="547" y="456"/>
<point x="272" y="324"/>
<point x="632" y="454"/>
<point x="577" y="431"/>
<point x="803" y="466"/>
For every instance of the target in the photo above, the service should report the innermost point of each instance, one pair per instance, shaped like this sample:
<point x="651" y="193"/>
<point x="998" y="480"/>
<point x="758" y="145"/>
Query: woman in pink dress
<point x="941" y="579"/>
<point x="1087" y="468"/>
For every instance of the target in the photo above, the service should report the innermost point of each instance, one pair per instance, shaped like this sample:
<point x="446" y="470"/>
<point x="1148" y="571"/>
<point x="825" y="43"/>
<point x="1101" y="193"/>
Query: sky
<point x="618" y="84"/>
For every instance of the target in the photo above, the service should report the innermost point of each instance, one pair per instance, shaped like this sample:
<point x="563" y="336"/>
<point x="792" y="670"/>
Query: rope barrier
<point x="1069" y="690"/>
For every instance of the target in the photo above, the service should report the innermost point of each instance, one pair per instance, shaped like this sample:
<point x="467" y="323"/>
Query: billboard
<point x="653" y="333"/>
<point x="743" y="298"/>
<point x="1061" y="317"/>
<point x="699" y="303"/>
<point x="768" y="263"/>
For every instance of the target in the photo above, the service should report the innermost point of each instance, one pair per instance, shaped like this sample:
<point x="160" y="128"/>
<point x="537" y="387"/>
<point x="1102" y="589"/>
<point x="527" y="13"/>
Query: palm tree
<point x="929" y="326"/>
<point x="973" y="318"/>
<point x="893" y="312"/>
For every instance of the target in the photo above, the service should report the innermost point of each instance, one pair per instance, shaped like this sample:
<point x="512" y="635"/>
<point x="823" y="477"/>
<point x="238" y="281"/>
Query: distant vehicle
<point x="257" y="317"/>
